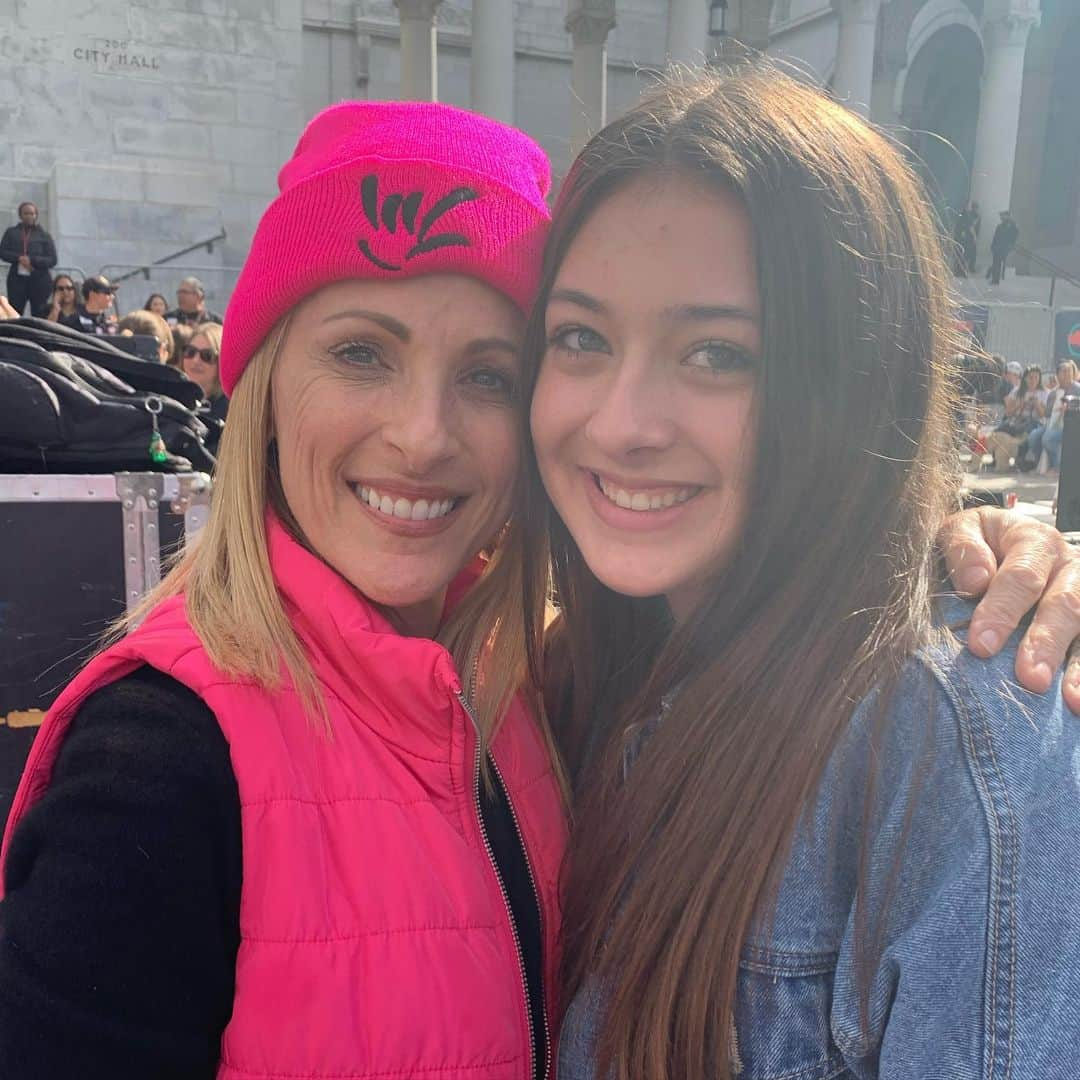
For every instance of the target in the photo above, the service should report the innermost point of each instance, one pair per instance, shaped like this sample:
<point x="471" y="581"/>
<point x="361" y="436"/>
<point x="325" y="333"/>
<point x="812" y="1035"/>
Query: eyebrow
<point x="499" y="344"/>
<point x="691" y="312"/>
<point x="703" y="312"/>
<point x="387" y="322"/>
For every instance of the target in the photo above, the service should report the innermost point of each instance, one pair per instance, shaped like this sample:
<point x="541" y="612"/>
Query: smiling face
<point x="643" y="412"/>
<point x="157" y="305"/>
<point x="398" y="431"/>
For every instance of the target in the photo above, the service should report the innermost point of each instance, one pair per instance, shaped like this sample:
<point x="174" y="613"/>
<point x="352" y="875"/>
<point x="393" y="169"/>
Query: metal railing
<point x="1051" y="268"/>
<point x="217" y="280"/>
<point x="146" y="268"/>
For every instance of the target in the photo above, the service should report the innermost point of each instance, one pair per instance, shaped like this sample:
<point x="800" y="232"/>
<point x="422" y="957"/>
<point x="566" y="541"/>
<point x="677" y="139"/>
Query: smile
<point x="647" y="500"/>
<point x="406" y="509"/>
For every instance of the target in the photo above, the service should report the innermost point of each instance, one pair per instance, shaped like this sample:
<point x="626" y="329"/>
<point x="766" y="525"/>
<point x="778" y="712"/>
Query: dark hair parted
<point x="825" y="595"/>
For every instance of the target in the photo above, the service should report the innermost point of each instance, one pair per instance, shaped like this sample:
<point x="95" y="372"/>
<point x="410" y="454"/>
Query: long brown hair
<point x="825" y="595"/>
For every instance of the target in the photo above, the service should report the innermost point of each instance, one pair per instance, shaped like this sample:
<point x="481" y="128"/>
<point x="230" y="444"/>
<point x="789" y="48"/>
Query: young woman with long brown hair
<point x="814" y="837"/>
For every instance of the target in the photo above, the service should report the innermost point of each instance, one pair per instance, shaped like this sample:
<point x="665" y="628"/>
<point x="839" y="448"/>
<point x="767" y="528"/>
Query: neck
<point x="422" y="619"/>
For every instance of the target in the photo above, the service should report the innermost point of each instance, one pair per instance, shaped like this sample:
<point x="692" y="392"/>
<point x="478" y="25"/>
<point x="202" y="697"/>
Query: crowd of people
<point x="186" y="336"/>
<point x="1017" y="413"/>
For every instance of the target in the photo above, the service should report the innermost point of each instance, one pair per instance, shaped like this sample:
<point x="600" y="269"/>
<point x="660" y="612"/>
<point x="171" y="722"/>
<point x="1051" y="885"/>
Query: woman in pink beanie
<point x="300" y="821"/>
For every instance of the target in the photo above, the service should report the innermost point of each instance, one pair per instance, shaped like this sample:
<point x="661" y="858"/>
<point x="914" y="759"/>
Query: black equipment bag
<point x="70" y="402"/>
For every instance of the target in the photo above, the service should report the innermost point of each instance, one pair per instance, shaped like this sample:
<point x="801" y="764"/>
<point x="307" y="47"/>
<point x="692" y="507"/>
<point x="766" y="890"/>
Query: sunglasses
<point x="207" y="356"/>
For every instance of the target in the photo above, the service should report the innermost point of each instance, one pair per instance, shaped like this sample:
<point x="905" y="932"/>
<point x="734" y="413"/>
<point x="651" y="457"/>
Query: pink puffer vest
<point x="375" y="940"/>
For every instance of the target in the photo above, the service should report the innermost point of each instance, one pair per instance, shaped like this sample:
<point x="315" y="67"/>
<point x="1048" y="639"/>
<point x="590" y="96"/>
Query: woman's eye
<point x="719" y="358"/>
<point x="578" y="339"/>
<point x="492" y="381"/>
<point x="358" y="353"/>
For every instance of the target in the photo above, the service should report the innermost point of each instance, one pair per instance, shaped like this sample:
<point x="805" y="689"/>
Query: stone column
<point x="589" y="23"/>
<point x="491" y="71"/>
<point x="419" y="66"/>
<point x="854" y="79"/>
<point x="687" y="31"/>
<point x="1004" y="44"/>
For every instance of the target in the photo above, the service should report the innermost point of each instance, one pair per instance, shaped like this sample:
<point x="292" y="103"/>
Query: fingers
<point x="969" y="558"/>
<point x="1030" y="554"/>
<point x="1053" y="629"/>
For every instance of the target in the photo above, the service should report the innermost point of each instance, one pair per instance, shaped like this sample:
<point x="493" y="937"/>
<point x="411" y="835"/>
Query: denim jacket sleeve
<point x="972" y="881"/>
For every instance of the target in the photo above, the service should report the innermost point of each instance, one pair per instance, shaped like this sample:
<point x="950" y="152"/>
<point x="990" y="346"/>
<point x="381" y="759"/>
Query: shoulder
<point x="957" y="775"/>
<point x="959" y="730"/>
<point x="161" y="736"/>
<point x="143" y="755"/>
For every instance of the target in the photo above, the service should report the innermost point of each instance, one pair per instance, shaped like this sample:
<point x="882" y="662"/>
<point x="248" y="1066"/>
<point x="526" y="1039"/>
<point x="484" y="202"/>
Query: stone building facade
<point x="982" y="92"/>
<point x="141" y="127"/>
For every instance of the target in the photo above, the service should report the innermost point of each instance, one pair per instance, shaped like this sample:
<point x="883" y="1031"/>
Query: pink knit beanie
<point x="388" y="190"/>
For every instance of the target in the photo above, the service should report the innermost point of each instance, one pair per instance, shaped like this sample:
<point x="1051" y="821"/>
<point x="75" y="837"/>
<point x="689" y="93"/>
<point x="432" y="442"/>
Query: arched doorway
<point x="940" y="110"/>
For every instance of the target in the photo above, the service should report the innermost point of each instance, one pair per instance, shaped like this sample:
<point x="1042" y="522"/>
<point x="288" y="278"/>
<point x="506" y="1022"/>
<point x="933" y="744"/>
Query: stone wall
<point x="142" y="126"/>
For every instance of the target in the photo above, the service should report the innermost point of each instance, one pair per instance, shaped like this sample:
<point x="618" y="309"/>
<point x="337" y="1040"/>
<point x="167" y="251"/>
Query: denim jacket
<point x="978" y="970"/>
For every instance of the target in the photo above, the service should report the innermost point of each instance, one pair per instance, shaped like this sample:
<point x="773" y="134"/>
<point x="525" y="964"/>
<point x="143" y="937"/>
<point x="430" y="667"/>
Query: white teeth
<point x="640" y="501"/>
<point x="405" y="509"/>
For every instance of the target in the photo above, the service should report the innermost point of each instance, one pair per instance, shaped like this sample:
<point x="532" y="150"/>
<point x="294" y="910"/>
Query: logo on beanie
<point x="402" y="209"/>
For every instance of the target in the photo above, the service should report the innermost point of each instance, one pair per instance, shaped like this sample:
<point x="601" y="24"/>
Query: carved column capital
<point x="590" y="21"/>
<point x="417" y="9"/>
<point x="860" y="11"/>
<point x="1010" y="29"/>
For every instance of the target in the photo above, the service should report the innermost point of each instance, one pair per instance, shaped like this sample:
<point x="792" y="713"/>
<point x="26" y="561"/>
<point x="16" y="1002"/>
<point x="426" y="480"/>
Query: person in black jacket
<point x="93" y="315"/>
<point x="1004" y="240"/>
<point x="32" y="254"/>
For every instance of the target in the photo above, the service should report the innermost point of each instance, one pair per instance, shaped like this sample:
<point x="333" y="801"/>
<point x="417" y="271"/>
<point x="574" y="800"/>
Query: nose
<point x="633" y="413"/>
<point x="421" y="426"/>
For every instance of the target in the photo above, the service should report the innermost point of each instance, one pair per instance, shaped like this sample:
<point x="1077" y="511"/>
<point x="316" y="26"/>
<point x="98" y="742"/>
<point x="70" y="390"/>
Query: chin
<point x="636" y="586"/>
<point x="391" y="590"/>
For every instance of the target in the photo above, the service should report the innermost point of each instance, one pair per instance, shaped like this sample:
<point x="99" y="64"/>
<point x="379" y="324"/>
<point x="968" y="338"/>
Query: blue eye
<point x="358" y="353"/>
<point x="578" y="339"/>
<point x="719" y="357"/>
<point x="492" y="381"/>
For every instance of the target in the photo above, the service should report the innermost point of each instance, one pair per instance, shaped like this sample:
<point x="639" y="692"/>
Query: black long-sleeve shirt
<point x="121" y="921"/>
<point x="35" y="242"/>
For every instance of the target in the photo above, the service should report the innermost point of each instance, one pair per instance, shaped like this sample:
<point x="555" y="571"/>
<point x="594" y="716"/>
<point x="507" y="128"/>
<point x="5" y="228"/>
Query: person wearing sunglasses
<point x="94" y="315"/>
<point x="199" y="362"/>
<point x="63" y="307"/>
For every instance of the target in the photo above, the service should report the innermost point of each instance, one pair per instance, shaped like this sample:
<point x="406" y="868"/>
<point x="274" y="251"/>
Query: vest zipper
<point x="506" y="897"/>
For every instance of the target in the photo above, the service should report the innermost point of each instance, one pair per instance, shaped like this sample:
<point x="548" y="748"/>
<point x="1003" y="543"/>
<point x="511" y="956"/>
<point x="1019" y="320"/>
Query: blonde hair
<point x="212" y="332"/>
<point x="152" y="324"/>
<point x="234" y="607"/>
